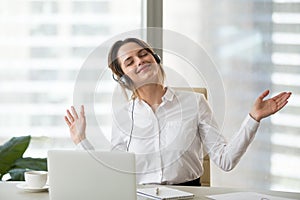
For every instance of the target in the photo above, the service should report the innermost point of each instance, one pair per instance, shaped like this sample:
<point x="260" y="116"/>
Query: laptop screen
<point x="91" y="175"/>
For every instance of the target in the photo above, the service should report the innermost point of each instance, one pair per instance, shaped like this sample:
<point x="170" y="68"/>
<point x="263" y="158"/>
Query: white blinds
<point x="43" y="44"/>
<point x="255" y="45"/>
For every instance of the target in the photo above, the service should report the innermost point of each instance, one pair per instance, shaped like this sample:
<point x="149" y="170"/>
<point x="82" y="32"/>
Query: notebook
<point x="91" y="175"/>
<point x="245" y="196"/>
<point x="163" y="193"/>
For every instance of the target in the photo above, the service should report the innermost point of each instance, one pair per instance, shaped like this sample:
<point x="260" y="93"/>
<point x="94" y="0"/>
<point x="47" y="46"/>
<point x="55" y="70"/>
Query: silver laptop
<point x="91" y="175"/>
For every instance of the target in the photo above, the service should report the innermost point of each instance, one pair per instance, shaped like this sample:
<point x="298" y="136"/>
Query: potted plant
<point x="13" y="162"/>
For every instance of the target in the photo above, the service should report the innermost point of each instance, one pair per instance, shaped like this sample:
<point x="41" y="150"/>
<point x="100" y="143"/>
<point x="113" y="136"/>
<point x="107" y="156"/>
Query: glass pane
<point x="43" y="45"/>
<point x="255" y="45"/>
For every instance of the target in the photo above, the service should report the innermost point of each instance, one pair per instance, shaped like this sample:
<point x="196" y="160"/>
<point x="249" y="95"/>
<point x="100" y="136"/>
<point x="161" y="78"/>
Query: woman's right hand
<point x="77" y="124"/>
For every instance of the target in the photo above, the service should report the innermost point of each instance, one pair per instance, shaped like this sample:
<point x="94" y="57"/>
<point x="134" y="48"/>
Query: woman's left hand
<point x="264" y="108"/>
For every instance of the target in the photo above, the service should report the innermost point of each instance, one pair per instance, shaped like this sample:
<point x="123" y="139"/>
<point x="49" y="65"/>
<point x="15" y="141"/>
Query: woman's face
<point x="138" y="64"/>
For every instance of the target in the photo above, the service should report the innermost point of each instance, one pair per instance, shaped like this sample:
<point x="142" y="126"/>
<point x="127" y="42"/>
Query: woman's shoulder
<point x="125" y="106"/>
<point x="187" y="93"/>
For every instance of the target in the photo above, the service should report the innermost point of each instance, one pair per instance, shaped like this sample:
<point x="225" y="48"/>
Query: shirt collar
<point x="169" y="95"/>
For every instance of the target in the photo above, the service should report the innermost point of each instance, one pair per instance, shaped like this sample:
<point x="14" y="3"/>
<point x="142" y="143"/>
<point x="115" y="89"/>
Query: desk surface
<point x="9" y="191"/>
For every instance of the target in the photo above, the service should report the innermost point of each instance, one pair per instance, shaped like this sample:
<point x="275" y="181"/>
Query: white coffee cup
<point x="36" y="179"/>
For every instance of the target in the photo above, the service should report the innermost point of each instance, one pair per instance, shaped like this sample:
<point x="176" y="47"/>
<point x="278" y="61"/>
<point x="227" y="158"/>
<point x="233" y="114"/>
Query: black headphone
<point x="125" y="81"/>
<point x="156" y="57"/>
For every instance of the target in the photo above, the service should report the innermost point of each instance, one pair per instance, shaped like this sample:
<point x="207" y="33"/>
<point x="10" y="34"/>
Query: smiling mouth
<point x="143" y="67"/>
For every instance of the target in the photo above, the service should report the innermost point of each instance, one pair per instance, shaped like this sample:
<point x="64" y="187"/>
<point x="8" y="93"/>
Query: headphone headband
<point x="156" y="57"/>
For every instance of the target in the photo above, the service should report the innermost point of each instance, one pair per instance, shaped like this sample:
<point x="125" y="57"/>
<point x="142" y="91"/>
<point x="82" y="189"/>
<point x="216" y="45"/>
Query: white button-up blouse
<point x="170" y="143"/>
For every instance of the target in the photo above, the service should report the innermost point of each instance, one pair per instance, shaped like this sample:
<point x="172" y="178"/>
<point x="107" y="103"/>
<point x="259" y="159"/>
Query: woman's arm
<point x="227" y="154"/>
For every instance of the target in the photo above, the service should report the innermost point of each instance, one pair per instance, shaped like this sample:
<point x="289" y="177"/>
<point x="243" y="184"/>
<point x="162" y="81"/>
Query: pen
<point x="157" y="191"/>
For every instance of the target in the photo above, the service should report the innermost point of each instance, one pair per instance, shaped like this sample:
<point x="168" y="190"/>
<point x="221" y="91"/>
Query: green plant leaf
<point x="32" y="163"/>
<point x="16" y="174"/>
<point x="24" y="164"/>
<point x="11" y="151"/>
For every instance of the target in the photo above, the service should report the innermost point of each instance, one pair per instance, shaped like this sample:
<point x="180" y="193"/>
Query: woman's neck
<point x="152" y="94"/>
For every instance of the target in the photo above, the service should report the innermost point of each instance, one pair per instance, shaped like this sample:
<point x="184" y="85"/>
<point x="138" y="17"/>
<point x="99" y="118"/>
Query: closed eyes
<point x="142" y="53"/>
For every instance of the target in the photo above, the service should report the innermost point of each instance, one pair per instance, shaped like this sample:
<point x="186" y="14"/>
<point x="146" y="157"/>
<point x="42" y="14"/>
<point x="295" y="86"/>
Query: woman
<point x="169" y="130"/>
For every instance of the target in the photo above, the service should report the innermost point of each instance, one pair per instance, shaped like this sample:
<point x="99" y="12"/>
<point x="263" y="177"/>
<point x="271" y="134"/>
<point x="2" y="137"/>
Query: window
<point x="44" y="52"/>
<point x="91" y="7"/>
<point x="39" y="7"/>
<point x="255" y="45"/>
<point x="43" y="45"/>
<point x="82" y="29"/>
<point x="44" y="29"/>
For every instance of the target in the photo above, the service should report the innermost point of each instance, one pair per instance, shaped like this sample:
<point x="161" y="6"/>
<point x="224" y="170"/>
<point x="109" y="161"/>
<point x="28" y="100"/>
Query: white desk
<point x="9" y="191"/>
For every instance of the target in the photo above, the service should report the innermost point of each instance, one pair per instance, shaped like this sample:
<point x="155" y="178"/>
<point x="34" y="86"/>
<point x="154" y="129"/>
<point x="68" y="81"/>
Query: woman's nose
<point x="139" y="61"/>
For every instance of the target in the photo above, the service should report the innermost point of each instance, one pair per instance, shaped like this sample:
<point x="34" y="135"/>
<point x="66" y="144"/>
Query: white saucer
<point x="26" y="188"/>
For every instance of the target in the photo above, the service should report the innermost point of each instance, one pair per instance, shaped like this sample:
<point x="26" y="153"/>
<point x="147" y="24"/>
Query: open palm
<point x="264" y="108"/>
<point x="77" y="124"/>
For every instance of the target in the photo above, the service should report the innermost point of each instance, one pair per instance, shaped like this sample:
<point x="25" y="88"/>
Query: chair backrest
<point x="205" y="178"/>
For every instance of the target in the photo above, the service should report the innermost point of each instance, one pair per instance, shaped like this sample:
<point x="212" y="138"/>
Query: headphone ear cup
<point x="157" y="58"/>
<point x="125" y="81"/>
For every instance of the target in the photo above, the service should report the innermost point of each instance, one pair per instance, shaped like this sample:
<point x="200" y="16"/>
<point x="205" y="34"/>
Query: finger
<point x="264" y="94"/>
<point x="71" y="118"/>
<point x="280" y="106"/>
<point x="279" y="96"/>
<point x="82" y="111"/>
<point x="74" y="112"/>
<point x="67" y="120"/>
<point x="283" y="99"/>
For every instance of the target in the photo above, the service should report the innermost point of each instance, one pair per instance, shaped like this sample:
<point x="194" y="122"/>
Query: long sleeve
<point x="85" y="144"/>
<point x="224" y="154"/>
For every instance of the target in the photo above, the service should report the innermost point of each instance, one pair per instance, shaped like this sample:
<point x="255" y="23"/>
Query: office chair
<point x="205" y="178"/>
